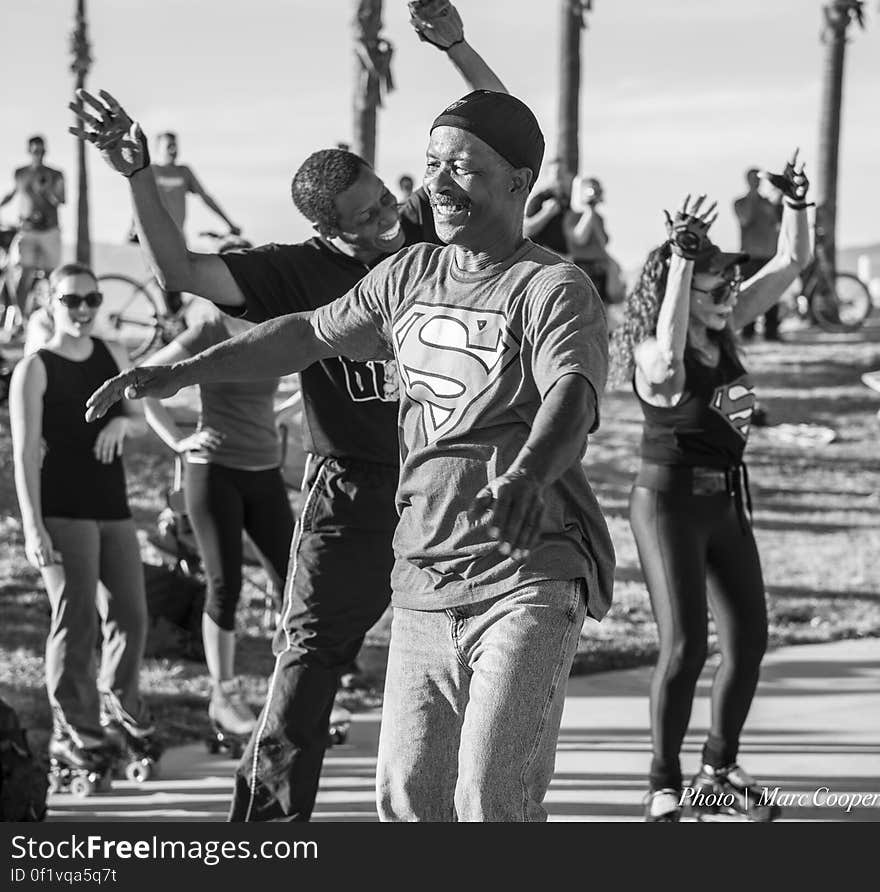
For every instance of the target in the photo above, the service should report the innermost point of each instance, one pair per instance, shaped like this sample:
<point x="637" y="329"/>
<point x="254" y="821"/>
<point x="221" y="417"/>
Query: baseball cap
<point x="713" y="260"/>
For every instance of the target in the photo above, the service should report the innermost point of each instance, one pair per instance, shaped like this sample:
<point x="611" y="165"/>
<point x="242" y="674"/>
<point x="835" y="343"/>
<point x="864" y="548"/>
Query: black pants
<point x="685" y="541"/>
<point x="598" y="273"/>
<point x="337" y="588"/>
<point x="221" y="502"/>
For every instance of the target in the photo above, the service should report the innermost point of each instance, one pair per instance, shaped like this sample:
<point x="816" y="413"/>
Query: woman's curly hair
<point x="639" y="315"/>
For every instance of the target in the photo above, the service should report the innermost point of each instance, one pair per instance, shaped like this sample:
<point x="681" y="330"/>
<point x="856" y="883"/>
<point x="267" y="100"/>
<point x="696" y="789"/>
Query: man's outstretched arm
<point x="438" y="22"/>
<point x="276" y="348"/>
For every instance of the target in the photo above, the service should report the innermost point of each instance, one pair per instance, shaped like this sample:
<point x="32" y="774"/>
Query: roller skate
<point x="138" y="750"/>
<point x="663" y="806"/>
<point x="78" y="768"/>
<point x="729" y="791"/>
<point x="232" y="720"/>
<point x="340" y="722"/>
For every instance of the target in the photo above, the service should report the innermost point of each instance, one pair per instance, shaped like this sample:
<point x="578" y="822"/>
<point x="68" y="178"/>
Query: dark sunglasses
<point x="721" y="293"/>
<point x="73" y="301"/>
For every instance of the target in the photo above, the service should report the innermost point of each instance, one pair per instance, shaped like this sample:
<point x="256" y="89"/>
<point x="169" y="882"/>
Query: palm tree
<point x="573" y="20"/>
<point x="839" y="15"/>
<point x="372" y="74"/>
<point x="82" y="60"/>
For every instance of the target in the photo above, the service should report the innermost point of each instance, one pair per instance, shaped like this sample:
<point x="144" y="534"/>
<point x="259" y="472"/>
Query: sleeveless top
<point x="73" y="483"/>
<point x="709" y="426"/>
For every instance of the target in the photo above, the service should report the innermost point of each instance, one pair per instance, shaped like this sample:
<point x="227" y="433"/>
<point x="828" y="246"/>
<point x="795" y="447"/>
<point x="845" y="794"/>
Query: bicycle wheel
<point x="844" y="310"/>
<point x="130" y="314"/>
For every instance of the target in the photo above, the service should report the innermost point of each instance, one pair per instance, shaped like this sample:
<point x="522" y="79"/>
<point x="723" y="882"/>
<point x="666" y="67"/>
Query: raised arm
<point x="271" y="350"/>
<point x="124" y="147"/>
<point x="438" y="22"/>
<point x="793" y="249"/>
<point x="659" y="360"/>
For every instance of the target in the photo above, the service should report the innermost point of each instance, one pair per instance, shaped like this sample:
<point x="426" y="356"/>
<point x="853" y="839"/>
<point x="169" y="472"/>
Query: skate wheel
<point x="82" y="787"/>
<point x="139" y="771"/>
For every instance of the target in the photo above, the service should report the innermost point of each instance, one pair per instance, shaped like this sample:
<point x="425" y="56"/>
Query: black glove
<point x="687" y="231"/>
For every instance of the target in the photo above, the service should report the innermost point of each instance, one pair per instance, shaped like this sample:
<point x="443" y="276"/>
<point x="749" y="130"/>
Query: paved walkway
<point x="815" y="723"/>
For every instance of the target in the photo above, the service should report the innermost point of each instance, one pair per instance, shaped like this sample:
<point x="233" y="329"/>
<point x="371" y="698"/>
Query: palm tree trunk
<point x="571" y="25"/>
<point x="367" y="25"/>
<point x="838" y="16"/>
<point x="80" y="67"/>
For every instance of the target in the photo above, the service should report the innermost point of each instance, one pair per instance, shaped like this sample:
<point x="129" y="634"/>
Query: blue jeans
<point x="473" y="704"/>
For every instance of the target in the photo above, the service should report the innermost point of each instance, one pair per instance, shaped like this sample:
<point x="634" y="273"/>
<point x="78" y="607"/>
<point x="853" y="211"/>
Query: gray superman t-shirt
<point x="476" y="353"/>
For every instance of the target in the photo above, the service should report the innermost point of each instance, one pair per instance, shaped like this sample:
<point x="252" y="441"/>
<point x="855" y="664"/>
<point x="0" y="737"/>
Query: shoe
<point x="732" y="791"/>
<point x="663" y="806"/>
<point x="229" y="712"/>
<point x="114" y="713"/>
<point x="84" y="751"/>
<point x="872" y="380"/>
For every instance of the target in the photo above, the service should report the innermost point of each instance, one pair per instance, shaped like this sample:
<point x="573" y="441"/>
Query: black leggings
<point x="683" y="541"/>
<point x="222" y="502"/>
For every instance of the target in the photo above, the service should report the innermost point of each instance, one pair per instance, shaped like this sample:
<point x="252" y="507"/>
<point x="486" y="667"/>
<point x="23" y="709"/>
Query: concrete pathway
<point x="815" y="724"/>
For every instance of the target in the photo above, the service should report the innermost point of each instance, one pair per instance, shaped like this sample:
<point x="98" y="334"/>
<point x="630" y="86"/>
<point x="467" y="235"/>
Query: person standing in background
<point x="39" y="191"/>
<point x="547" y="208"/>
<point x="759" y="221"/>
<point x="584" y="229"/>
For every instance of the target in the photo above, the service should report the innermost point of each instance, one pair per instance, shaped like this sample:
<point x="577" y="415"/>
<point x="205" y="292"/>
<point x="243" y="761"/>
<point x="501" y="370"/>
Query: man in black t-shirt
<point x="338" y="582"/>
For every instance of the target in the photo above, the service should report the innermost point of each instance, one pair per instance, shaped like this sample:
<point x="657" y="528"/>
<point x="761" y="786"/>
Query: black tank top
<point x="709" y="427"/>
<point x="73" y="483"/>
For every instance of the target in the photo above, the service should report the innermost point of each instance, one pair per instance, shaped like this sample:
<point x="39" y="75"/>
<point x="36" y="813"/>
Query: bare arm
<point x="766" y="287"/>
<point x="512" y="504"/>
<point x="124" y="147"/>
<point x="474" y="69"/>
<point x="271" y="350"/>
<point x="659" y="360"/>
<point x="174" y="265"/>
<point x="438" y="22"/>
<point x="26" y="392"/>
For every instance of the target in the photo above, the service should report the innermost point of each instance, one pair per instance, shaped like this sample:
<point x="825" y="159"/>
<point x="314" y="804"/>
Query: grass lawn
<point x="817" y="522"/>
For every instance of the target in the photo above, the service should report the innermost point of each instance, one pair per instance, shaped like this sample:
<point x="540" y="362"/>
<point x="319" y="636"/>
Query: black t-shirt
<point x="552" y="235"/>
<point x="710" y="425"/>
<point x="350" y="408"/>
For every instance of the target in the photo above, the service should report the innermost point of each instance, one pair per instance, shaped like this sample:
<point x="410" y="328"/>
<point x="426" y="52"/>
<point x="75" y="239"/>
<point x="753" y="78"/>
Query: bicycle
<point x="838" y="303"/>
<point x="138" y="313"/>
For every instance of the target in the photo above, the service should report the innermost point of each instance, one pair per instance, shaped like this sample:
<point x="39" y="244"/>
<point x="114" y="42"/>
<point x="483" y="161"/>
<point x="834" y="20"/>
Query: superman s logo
<point x="448" y="357"/>
<point x="735" y="403"/>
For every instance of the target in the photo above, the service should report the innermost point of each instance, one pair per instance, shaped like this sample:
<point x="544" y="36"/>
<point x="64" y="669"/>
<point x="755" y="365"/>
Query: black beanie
<point x="501" y="121"/>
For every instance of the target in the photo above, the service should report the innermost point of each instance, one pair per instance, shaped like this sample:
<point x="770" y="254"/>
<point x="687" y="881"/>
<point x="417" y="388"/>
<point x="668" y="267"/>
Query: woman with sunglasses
<point x="688" y="508"/>
<point x="78" y="529"/>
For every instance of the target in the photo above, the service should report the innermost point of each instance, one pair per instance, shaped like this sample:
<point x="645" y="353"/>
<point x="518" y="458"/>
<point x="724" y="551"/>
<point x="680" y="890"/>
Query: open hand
<point x="157" y="381"/>
<point x="110" y="440"/>
<point x="511" y="506"/>
<point x="688" y="230"/>
<point x="204" y="439"/>
<point x="437" y="22"/>
<point x="792" y="182"/>
<point x="105" y="124"/>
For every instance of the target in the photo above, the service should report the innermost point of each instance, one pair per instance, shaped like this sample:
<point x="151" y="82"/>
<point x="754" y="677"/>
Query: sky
<point x="677" y="96"/>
